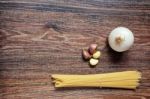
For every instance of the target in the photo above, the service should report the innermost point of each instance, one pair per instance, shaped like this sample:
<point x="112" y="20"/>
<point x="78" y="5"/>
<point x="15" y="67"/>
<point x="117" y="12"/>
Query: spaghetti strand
<point x="126" y="79"/>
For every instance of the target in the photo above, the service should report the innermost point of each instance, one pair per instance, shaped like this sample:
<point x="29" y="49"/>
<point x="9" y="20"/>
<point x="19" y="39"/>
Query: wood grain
<point x="42" y="37"/>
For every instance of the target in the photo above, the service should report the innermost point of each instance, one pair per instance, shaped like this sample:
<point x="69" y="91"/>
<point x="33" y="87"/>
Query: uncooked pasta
<point x="126" y="79"/>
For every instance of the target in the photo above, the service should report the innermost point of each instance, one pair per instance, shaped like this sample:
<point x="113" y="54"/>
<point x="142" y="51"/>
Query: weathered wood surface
<point x="42" y="37"/>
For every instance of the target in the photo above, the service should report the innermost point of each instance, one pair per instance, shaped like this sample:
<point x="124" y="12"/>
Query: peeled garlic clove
<point x="121" y="39"/>
<point x="97" y="54"/>
<point x="92" y="48"/>
<point x="86" y="54"/>
<point x="93" y="61"/>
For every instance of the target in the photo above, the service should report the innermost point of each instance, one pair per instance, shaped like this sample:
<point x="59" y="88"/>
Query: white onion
<point x="121" y="39"/>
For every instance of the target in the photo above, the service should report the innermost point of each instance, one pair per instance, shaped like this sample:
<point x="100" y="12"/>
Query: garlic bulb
<point x="121" y="39"/>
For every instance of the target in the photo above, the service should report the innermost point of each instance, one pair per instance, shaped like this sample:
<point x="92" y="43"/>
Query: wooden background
<point x="42" y="37"/>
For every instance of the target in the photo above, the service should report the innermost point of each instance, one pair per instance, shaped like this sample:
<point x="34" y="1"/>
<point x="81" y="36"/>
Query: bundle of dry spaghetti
<point x="126" y="79"/>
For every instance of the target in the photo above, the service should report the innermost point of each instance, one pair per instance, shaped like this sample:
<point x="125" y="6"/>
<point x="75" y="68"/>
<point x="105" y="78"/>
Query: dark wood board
<point x="42" y="37"/>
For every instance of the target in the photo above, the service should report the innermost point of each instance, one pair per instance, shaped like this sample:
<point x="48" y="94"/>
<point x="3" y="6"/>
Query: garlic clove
<point x="97" y="55"/>
<point x="86" y="54"/>
<point x="93" y="61"/>
<point x="92" y="48"/>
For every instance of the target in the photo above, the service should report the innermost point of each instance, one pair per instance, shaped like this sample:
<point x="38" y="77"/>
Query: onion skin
<point x="121" y="39"/>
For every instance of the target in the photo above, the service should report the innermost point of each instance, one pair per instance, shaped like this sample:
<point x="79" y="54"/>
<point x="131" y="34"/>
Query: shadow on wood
<point x="114" y="56"/>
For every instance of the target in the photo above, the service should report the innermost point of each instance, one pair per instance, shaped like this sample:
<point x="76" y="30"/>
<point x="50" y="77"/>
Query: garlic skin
<point x="86" y="54"/>
<point x="121" y="39"/>
<point x="92" y="48"/>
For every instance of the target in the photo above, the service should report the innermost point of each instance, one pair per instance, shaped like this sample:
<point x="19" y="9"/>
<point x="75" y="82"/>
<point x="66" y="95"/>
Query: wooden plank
<point x="40" y="37"/>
